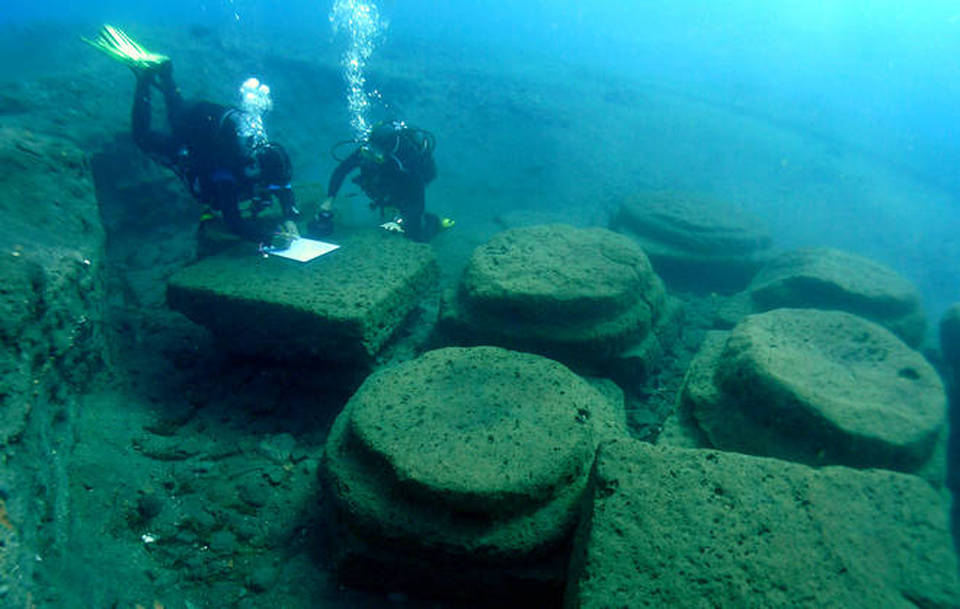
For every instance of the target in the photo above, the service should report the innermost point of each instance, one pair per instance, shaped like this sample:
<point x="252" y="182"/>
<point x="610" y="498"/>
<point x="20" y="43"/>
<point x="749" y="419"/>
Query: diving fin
<point x="115" y="43"/>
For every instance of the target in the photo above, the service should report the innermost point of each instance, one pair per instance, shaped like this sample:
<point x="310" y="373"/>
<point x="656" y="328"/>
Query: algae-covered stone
<point x="53" y="347"/>
<point x="49" y="201"/>
<point x="578" y="295"/>
<point x="51" y="288"/>
<point x="343" y="306"/>
<point x="818" y="387"/>
<point x="467" y="465"/>
<point x="557" y="270"/>
<point x="674" y="527"/>
<point x="695" y="242"/>
<point x="462" y="444"/>
<point x="824" y="278"/>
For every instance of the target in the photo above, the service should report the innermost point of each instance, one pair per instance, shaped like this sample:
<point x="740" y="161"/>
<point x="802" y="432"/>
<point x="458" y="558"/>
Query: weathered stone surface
<point x="698" y="528"/>
<point x="150" y="219"/>
<point x="467" y="465"/>
<point x="556" y="270"/>
<point x="52" y="347"/>
<point x="577" y="295"/>
<point x="695" y="242"/>
<point x="824" y="278"/>
<point x="343" y="306"/>
<point x="817" y="387"/>
<point x="51" y="295"/>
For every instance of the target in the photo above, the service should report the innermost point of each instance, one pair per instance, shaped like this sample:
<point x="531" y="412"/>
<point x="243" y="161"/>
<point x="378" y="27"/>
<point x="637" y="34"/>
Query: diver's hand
<point x="290" y="227"/>
<point x="326" y="204"/>
<point x="285" y="234"/>
<point x="321" y="225"/>
<point x="157" y="73"/>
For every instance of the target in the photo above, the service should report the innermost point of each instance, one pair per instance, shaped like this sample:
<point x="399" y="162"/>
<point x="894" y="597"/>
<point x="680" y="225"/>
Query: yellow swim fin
<point x="116" y="44"/>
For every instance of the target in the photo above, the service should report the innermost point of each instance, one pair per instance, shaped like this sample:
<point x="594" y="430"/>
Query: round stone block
<point x="557" y="270"/>
<point x="695" y="243"/>
<point x="478" y="430"/>
<point x="581" y="296"/>
<point x="818" y="387"/>
<point x="477" y="457"/>
<point x="826" y="278"/>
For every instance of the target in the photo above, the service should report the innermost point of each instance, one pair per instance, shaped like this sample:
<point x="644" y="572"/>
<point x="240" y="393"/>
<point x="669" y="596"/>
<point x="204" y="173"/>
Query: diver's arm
<point x="340" y="173"/>
<point x="228" y="202"/>
<point x="288" y="203"/>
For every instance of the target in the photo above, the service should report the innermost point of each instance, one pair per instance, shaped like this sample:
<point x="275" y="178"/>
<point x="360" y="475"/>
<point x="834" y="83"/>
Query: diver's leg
<point x="431" y="226"/>
<point x="172" y="97"/>
<point x="140" y="114"/>
<point x="157" y="144"/>
<point x="412" y="212"/>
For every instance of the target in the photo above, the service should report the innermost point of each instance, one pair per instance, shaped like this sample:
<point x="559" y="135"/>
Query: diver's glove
<point x="285" y="234"/>
<point x="322" y="224"/>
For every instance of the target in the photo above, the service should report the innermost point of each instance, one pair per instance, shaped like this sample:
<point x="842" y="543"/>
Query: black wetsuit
<point x="204" y="149"/>
<point x="399" y="181"/>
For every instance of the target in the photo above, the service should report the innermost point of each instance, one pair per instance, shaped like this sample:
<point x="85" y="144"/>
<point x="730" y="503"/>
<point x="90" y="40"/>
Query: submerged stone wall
<point x="51" y="344"/>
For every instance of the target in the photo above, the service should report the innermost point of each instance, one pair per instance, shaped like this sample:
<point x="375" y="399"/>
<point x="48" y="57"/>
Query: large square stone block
<point x="343" y="306"/>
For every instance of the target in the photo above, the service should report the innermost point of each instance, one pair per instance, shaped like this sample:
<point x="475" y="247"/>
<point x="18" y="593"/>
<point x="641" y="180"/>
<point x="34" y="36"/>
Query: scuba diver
<point x="221" y="153"/>
<point x="396" y="164"/>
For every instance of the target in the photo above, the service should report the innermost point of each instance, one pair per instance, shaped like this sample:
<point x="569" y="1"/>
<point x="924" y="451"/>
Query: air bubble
<point x="360" y="23"/>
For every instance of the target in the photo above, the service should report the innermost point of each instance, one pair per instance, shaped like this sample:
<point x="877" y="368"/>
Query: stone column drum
<point x="460" y="473"/>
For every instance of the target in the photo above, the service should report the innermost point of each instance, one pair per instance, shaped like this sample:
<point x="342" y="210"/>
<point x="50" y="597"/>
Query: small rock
<point x="245" y="527"/>
<point x="148" y="506"/>
<point x="254" y="493"/>
<point x="275" y="475"/>
<point x="262" y="579"/>
<point x="223" y="542"/>
<point x="278" y="448"/>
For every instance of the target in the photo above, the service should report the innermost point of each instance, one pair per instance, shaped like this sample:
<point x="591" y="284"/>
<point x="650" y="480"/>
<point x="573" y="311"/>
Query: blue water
<point x="836" y="122"/>
<point x="868" y="77"/>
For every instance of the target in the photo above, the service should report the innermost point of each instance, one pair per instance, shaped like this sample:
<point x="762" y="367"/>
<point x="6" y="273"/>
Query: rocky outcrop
<point x="695" y="243"/>
<point x="51" y="342"/>
<point x="150" y="220"/>
<point x="342" y="307"/>
<point x="674" y="527"/>
<point x="819" y="387"/>
<point x="581" y="296"/>
<point x="824" y="278"/>
<point x="459" y="473"/>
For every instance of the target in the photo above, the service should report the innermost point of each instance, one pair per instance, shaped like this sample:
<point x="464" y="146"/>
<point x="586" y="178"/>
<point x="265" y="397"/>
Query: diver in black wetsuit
<point x="219" y="153"/>
<point x="396" y="164"/>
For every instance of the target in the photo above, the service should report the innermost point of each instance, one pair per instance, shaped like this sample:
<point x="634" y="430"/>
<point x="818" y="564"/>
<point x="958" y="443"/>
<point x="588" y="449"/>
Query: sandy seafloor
<point x="180" y="431"/>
